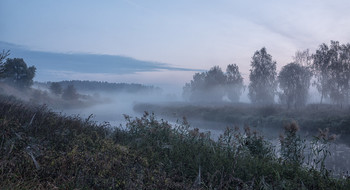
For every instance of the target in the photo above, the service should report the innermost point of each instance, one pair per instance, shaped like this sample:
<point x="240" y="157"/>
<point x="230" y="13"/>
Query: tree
<point x="55" y="88"/>
<point x="3" y="56"/>
<point x="16" y="72"/>
<point x="234" y="82"/>
<point x="214" y="84"/>
<point x="303" y="58"/>
<point x="262" y="77"/>
<point x="214" y="81"/>
<point x="332" y="67"/>
<point x="70" y="93"/>
<point x="294" y="81"/>
<point x="193" y="91"/>
<point x="321" y="65"/>
<point x="206" y="86"/>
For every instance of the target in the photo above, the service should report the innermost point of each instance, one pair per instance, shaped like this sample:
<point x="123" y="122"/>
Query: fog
<point x="115" y="105"/>
<point x="214" y="117"/>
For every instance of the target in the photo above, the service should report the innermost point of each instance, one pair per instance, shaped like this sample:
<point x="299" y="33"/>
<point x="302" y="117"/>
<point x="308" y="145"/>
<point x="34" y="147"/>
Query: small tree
<point x="262" y="77"/>
<point x="15" y="71"/>
<point x="70" y="93"/>
<point x="55" y="88"/>
<point x="294" y="81"/>
<point x="235" y="85"/>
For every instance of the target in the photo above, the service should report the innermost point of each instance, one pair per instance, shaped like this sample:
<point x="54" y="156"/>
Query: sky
<point x="193" y="34"/>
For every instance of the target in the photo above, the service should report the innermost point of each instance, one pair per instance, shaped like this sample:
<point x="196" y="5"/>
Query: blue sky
<point x="196" y="34"/>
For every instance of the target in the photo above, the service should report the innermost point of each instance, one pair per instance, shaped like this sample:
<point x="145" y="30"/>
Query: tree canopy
<point x="70" y="93"/>
<point x="55" y="88"/>
<point x="294" y="81"/>
<point x="331" y="65"/>
<point x="15" y="71"/>
<point x="214" y="84"/>
<point x="234" y="83"/>
<point x="262" y="77"/>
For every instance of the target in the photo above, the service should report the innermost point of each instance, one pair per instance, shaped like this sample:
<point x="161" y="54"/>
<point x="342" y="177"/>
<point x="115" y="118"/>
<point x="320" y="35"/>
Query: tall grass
<point x="40" y="149"/>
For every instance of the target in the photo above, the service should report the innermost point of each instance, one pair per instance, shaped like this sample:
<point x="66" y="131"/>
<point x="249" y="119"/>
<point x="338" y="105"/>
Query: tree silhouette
<point x="3" y="56"/>
<point x="332" y="68"/>
<point x="262" y="77"/>
<point x="55" y="88"/>
<point x="294" y="81"/>
<point x="213" y="85"/>
<point x="16" y="72"/>
<point x="214" y="81"/>
<point x="235" y="85"/>
<point x="70" y="93"/>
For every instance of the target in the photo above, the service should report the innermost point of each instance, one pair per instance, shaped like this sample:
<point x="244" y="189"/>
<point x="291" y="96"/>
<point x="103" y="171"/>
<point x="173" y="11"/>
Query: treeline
<point x="329" y="66"/>
<point x="99" y="86"/>
<point x="16" y="73"/>
<point x="16" y="79"/>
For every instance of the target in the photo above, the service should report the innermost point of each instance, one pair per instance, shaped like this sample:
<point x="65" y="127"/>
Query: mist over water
<point x="116" y="105"/>
<point x="111" y="107"/>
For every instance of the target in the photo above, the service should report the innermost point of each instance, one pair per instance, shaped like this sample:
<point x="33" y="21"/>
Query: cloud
<point x="87" y="63"/>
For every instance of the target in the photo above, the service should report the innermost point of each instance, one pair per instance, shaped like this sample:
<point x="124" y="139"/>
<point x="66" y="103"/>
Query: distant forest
<point x="102" y="86"/>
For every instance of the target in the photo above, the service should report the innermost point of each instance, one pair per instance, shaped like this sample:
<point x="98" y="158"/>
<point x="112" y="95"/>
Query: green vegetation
<point x="16" y="72"/>
<point x="98" y="86"/>
<point x="40" y="149"/>
<point x="262" y="86"/>
<point x="311" y="117"/>
<point x="213" y="85"/>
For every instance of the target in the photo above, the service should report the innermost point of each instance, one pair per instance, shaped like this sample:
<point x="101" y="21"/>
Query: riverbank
<point x="41" y="149"/>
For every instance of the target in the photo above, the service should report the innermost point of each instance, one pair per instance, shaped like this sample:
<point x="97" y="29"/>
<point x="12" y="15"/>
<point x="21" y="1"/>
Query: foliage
<point x="292" y="146"/>
<point x="213" y="85"/>
<point x="70" y="93"/>
<point x="3" y="56"/>
<point x="294" y="81"/>
<point x="303" y="58"/>
<point x="15" y="71"/>
<point x="105" y="86"/>
<point x="319" y="150"/>
<point x="332" y="67"/>
<point x="43" y="150"/>
<point x="55" y="88"/>
<point x="311" y="117"/>
<point x="234" y="82"/>
<point x="262" y="77"/>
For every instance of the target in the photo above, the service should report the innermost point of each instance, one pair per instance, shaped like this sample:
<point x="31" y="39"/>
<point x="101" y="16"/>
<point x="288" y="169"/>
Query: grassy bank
<point x="310" y="118"/>
<point x="41" y="149"/>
